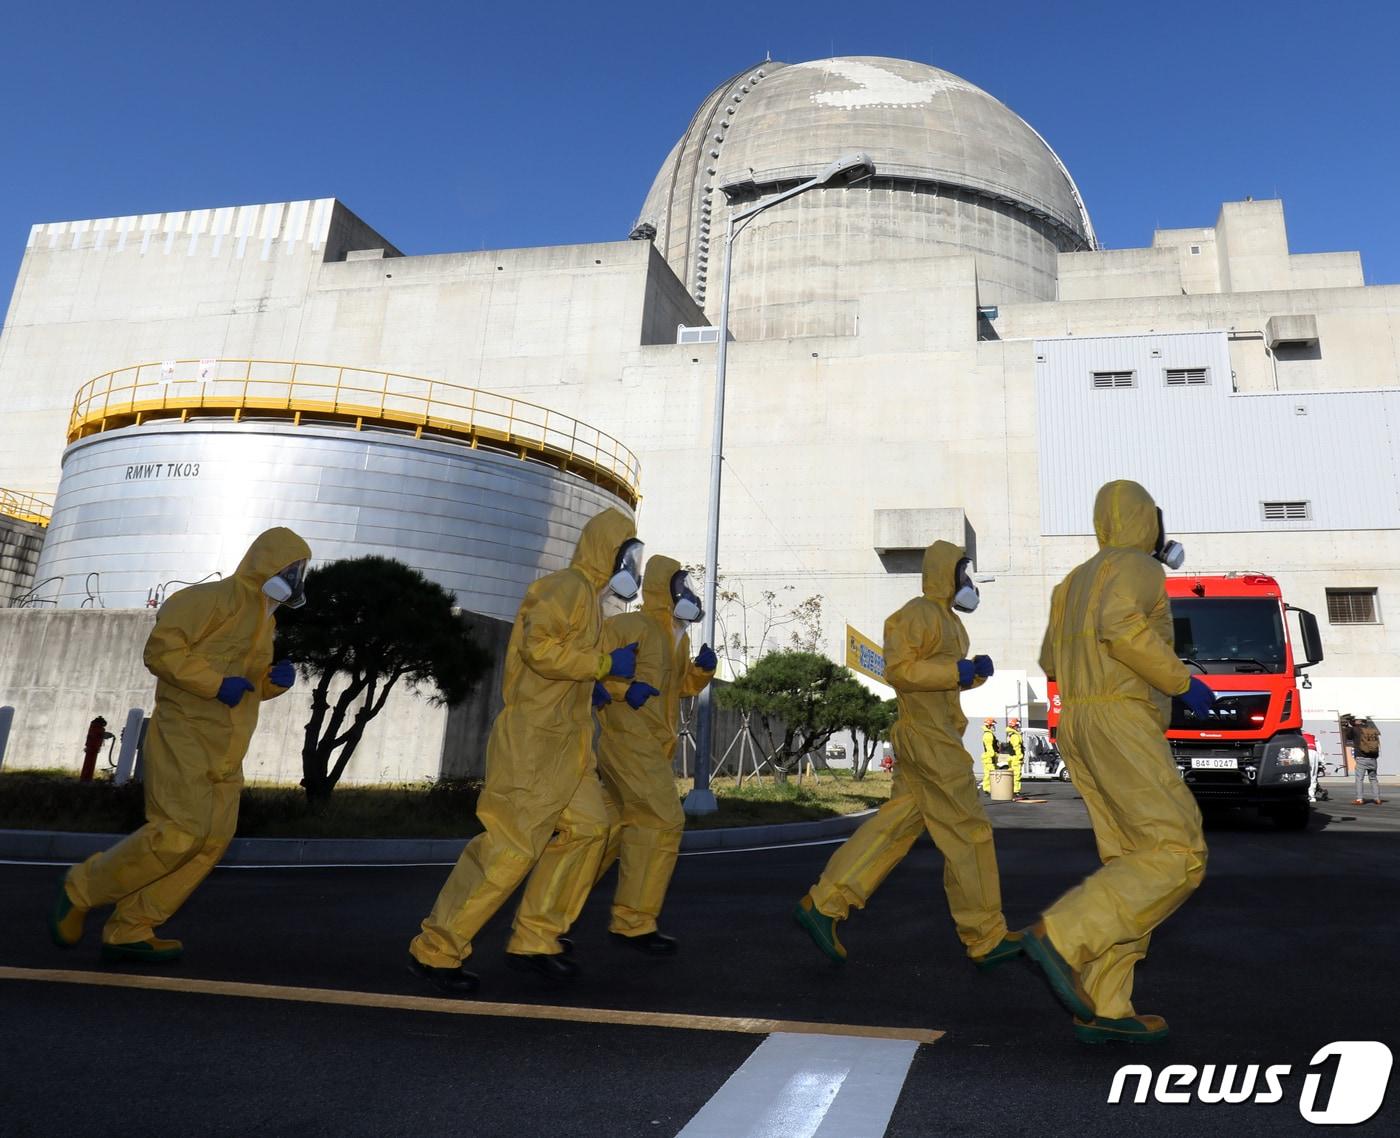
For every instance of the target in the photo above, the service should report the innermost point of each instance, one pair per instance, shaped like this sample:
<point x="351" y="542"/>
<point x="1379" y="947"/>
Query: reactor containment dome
<point x="958" y="172"/>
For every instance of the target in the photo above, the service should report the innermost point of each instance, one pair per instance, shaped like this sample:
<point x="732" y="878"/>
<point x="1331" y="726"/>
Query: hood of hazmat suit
<point x="205" y="633"/>
<point x="1109" y="647"/>
<point x="662" y="661"/>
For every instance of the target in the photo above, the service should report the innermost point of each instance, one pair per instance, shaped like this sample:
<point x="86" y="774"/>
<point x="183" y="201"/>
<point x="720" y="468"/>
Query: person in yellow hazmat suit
<point x="542" y="807"/>
<point x="1017" y="744"/>
<point x="1109" y="647"/>
<point x="640" y="722"/>
<point x="211" y="653"/>
<point x="989" y="753"/>
<point x="926" y="663"/>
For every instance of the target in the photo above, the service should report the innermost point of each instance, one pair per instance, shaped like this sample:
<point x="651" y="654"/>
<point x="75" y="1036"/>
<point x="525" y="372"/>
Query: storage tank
<point x="171" y="469"/>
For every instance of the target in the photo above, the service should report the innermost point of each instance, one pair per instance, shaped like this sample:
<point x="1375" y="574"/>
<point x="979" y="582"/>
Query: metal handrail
<point x="313" y="392"/>
<point x="25" y="507"/>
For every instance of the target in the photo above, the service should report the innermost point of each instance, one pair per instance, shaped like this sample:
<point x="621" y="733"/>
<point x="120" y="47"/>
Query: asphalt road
<point x="1288" y="946"/>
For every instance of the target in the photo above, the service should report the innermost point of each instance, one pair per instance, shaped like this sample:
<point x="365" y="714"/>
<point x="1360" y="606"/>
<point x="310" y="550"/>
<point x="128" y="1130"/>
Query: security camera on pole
<point x="845" y="171"/>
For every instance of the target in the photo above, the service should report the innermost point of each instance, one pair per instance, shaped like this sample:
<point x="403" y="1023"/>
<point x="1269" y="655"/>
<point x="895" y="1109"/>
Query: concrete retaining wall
<point x="61" y="668"/>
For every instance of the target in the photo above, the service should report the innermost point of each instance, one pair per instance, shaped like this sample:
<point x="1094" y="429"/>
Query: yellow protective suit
<point x="1109" y="648"/>
<point x="194" y="745"/>
<point x="635" y="750"/>
<point x="1018" y="756"/>
<point x="989" y="758"/>
<point x="542" y="805"/>
<point x="923" y="643"/>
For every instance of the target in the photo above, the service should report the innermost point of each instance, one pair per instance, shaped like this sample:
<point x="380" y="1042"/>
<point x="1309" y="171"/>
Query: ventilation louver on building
<point x="1352" y="606"/>
<point x="697" y="334"/>
<point x="1287" y="511"/>
<point x="1104" y="380"/>
<point x="1187" y="377"/>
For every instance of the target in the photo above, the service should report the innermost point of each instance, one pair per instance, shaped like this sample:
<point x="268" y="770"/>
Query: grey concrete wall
<point x="666" y="303"/>
<point x="20" y="543"/>
<point x="468" y="724"/>
<point x="61" y="668"/>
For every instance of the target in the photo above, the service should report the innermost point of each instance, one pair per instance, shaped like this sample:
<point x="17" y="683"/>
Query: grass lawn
<point x="56" y="800"/>
<point x="763" y="801"/>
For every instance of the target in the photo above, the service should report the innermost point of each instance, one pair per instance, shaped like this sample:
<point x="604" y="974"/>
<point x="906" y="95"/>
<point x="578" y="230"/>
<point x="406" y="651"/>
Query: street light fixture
<point x="845" y="171"/>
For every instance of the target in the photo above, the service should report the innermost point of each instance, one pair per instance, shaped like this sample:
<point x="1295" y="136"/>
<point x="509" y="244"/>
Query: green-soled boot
<point x="1009" y="948"/>
<point x="66" y="919"/>
<point x="1134" y="1029"/>
<point x="1064" y="980"/>
<point x="821" y="928"/>
<point x="152" y="950"/>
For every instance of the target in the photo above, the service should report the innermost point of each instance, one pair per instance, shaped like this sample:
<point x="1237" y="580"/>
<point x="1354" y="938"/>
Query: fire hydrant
<point x="97" y="732"/>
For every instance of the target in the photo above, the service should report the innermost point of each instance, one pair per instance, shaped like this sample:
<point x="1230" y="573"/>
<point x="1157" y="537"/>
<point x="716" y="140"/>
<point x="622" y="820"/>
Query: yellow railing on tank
<point x="320" y="393"/>
<point x="25" y="507"/>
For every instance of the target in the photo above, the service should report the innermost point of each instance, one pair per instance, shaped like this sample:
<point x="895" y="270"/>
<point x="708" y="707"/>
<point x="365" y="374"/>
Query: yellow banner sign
<point x="864" y="655"/>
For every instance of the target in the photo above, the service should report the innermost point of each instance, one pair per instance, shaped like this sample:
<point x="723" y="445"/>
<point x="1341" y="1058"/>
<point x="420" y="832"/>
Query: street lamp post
<point x="844" y="171"/>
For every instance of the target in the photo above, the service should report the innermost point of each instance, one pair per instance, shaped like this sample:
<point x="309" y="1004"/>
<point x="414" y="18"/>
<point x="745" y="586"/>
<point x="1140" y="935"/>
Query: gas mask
<point x="685" y="605"/>
<point x="1172" y="554"/>
<point x="965" y="594"/>
<point x="285" y="588"/>
<point x="627" y="569"/>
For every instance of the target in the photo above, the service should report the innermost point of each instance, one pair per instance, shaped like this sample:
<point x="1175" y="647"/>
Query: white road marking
<point x="808" y="1086"/>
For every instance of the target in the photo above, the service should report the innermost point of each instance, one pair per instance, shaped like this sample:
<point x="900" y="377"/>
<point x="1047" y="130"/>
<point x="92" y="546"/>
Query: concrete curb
<point x="51" y="845"/>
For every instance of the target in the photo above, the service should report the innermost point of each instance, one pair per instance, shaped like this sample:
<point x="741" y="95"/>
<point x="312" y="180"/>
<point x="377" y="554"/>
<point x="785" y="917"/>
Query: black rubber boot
<point x="450" y="981"/>
<point x="554" y="966"/>
<point x="649" y="944"/>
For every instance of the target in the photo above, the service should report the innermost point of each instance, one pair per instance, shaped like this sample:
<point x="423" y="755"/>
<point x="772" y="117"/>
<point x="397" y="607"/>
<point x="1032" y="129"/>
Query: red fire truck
<point x="1232" y="630"/>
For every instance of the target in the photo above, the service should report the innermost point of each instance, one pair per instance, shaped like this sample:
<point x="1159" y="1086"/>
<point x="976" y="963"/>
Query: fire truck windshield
<point x="1229" y="634"/>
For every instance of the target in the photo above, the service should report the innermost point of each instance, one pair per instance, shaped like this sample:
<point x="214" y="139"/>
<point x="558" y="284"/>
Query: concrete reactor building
<point x="943" y="350"/>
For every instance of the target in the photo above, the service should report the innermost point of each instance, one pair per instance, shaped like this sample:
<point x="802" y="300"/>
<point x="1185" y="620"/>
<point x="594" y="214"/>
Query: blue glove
<point x="967" y="672"/>
<point x="706" y="660"/>
<point x="624" y="662"/>
<point x="232" y="690"/>
<point x="1198" y="698"/>
<point x="601" y="698"/>
<point x="282" y="674"/>
<point x="638" y="693"/>
<point x="982" y="665"/>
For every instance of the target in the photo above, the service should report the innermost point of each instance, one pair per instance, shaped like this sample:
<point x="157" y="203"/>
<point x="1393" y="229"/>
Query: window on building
<point x="1104" y="380"/>
<point x="1187" y="376"/>
<point x="1195" y="250"/>
<point x="1295" y="511"/>
<point x="1352" y="606"/>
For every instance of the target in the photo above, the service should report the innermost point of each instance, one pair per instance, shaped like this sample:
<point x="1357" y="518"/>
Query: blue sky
<point x="453" y="126"/>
